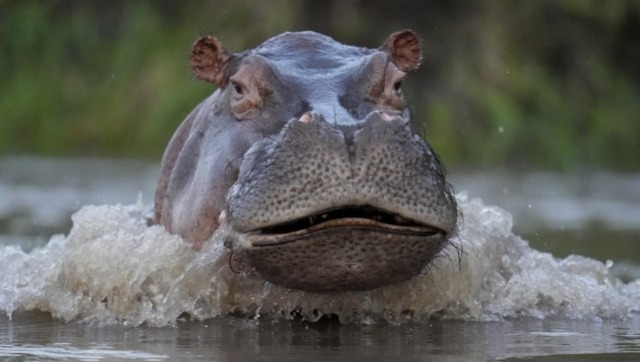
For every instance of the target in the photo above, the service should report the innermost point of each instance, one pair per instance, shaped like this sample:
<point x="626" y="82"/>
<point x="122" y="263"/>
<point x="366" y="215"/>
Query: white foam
<point x="113" y="268"/>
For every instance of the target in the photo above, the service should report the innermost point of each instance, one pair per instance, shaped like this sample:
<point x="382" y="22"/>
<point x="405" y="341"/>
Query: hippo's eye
<point x="397" y="86"/>
<point x="238" y="88"/>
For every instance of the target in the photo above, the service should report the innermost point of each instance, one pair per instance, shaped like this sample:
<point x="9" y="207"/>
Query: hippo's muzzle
<point x="325" y="207"/>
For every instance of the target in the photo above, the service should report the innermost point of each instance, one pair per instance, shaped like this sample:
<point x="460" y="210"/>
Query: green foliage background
<point x="544" y="84"/>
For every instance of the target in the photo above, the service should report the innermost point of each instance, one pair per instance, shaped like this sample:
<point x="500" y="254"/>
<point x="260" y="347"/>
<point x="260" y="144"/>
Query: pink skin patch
<point x="385" y="116"/>
<point x="305" y="118"/>
<point x="222" y="218"/>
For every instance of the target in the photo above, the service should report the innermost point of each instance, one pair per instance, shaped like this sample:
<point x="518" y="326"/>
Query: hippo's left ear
<point x="404" y="48"/>
<point x="209" y="60"/>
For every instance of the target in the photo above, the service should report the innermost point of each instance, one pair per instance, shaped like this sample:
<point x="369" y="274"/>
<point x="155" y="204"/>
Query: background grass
<point x="544" y="84"/>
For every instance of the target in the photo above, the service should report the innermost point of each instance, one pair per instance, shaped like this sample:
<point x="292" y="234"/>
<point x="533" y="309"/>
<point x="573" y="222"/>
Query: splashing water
<point x="113" y="268"/>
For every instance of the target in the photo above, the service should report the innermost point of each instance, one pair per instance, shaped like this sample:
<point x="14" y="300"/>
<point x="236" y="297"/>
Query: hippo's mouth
<point x="364" y="218"/>
<point x="347" y="248"/>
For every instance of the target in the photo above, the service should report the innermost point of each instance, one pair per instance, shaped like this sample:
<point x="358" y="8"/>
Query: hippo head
<point x="306" y="152"/>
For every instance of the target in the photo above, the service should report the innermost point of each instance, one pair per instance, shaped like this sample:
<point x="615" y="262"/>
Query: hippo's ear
<point x="209" y="59"/>
<point x="404" y="48"/>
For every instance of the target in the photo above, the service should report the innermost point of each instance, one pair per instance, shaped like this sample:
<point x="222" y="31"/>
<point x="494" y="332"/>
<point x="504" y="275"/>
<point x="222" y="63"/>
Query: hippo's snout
<point x="332" y="206"/>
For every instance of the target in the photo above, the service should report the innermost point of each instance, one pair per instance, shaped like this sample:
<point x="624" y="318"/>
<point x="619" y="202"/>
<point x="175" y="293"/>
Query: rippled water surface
<point x="240" y="339"/>
<point x="108" y="286"/>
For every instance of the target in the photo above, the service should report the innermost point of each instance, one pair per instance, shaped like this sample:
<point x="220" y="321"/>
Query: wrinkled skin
<point x="306" y="153"/>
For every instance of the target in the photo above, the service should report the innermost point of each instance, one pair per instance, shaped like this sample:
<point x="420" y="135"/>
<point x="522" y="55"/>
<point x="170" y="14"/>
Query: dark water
<point x="595" y="215"/>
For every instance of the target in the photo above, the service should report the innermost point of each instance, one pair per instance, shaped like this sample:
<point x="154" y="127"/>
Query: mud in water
<point x="114" y="269"/>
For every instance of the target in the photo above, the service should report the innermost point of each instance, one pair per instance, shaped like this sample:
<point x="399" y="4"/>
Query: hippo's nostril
<point x="385" y="116"/>
<point x="377" y="116"/>
<point x="222" y="217"/>
<point x="305" y="118"/>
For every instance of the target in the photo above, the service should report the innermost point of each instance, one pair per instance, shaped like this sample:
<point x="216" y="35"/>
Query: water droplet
<point x="609" y="263"/>
<point x="500" y="129"/>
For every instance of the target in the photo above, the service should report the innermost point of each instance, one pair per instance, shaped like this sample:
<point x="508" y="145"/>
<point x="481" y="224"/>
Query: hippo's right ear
<point x="209" y="60"/>
<point x="404" y="48"/>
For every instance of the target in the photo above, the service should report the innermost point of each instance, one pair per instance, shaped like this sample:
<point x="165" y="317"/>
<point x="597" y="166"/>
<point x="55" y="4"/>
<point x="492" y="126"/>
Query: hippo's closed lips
<point x="347" y="218"/>
<point x="347" y="248"/>
<point x="306" y="151"/>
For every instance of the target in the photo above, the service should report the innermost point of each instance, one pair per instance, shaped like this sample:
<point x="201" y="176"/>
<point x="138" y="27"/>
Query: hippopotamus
<point x="306" y="153"/>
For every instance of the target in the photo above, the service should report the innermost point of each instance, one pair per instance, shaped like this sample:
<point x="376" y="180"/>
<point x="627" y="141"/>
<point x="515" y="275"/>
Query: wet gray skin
<point x="306" y="155"/>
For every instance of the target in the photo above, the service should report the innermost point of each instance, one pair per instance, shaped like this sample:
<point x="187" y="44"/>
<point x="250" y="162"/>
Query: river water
<point x="556" y="277"/>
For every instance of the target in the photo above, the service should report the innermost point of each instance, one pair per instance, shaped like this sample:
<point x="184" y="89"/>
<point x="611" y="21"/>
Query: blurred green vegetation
<point x="545" y="84"/>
